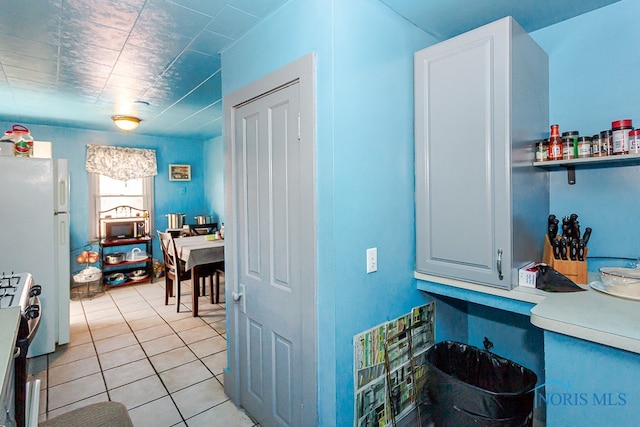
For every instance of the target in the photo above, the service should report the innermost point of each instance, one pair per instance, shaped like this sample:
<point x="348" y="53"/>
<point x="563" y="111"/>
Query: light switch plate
<point x="372" y="260"/>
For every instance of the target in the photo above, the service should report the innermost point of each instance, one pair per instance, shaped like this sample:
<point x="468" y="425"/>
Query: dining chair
<point x="212" y="272"/>
<point x="174" y="271"/>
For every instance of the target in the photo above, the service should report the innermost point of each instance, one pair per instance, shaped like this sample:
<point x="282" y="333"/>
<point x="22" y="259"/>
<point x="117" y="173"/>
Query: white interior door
<point x="273" y="260"/>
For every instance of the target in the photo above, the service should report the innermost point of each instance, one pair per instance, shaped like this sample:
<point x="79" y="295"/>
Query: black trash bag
<point x="473" y="387"/>
<point x="550" y="280"/>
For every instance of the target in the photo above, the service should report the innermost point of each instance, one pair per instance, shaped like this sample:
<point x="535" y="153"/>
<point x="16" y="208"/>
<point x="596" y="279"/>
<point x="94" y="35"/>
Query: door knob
<point x="236" y="296"/>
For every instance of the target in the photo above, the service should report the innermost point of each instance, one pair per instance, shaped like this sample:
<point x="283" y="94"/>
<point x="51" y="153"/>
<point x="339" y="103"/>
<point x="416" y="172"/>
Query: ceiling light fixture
<point x="126" y="123"/>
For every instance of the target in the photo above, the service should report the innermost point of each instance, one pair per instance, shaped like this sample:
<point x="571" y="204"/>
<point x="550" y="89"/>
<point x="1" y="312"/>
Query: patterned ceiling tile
<point x="259" y="9"/>
<point x="145" y="76"/>
<point x="72" y="68"/>
<point x="172" y="18"/>
<point x="41" y="28"/>
<point x="108" y="13"/>
<point x="232" y="22"/>
<point x="205" y="94"/>
<point x="207" y="7"/>
<point x="77" y="35"/>
<point x="30" y="80"/>
<point x="73" y="53"/>
<point x="28" y="48"/>
<point x="210" y="43"/>
<point x="191" y="67"/>
<point x="159" y="54"/>
<point x="200" y="122"/>
<point x="29" y="75"/>
<point x="83" y="60"/>
<point x="12" y="59"/>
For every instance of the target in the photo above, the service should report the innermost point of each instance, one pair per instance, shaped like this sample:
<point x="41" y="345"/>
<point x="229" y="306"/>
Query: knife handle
<point x="573" y="252"/>
<point x="556" y="248"/>
<point x="581" y="248"/>
<point x="587" y="234"/>
<point x="563" y="248"/>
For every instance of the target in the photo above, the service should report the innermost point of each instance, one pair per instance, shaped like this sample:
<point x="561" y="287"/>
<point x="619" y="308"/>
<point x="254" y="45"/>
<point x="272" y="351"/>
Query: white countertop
<point x="591" y="315"/>
<point x="9" y="319"/>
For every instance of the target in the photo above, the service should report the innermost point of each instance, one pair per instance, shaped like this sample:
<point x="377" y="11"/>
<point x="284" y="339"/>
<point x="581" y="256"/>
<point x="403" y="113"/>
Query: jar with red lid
<point x="22" y="140"/>
<point x="634" y="141"/>
<point x="620" y="136"/>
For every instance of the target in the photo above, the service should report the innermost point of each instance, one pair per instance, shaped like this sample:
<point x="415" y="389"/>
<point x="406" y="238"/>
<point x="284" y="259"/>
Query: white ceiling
<point x="77" y="62"/>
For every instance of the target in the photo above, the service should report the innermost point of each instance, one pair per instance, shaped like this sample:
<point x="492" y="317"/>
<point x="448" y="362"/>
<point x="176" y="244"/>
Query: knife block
<point x="574" y="270"/>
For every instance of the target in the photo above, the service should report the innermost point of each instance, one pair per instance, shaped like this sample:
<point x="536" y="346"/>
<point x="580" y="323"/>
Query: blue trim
<point x="514" y="306"/>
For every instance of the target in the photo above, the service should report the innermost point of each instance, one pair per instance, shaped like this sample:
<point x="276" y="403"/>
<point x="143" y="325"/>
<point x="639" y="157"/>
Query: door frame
<point x="302" y="71"/>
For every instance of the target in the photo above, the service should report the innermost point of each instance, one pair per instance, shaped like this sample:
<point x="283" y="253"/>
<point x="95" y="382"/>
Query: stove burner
<point x="8" y="289"/>
<point x="12" y="288"/>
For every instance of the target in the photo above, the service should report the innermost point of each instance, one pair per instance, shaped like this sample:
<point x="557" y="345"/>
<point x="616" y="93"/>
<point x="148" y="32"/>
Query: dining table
<point x="199" y="253"/>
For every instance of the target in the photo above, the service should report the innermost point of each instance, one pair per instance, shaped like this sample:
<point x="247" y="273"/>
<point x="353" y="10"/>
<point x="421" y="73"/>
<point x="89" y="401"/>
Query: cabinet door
<point x="462" y="157"/>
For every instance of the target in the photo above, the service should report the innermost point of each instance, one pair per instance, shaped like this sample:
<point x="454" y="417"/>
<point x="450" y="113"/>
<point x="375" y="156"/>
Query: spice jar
<point x="555" y="144"/>
<point x="620" y="136"/>
<point x="606" y="136"/>
<point x="634" y="141"/>
<point x="570" y="144"/>
<point x="584" y="147"/>
<point x="596" y="146"/>
<point x="542" y="150"/>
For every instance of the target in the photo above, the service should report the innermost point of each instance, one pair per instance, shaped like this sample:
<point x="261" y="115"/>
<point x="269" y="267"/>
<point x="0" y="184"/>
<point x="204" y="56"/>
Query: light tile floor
<point x="127" y="346"/>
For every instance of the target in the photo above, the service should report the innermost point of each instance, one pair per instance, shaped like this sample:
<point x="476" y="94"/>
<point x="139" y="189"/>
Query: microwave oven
<point x="123" y="228"/>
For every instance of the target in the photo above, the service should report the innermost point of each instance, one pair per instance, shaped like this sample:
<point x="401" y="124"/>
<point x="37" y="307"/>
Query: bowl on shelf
<point x="116" y="278"/>
<point x="138" y="275"/>
<point x="114" y="258"/>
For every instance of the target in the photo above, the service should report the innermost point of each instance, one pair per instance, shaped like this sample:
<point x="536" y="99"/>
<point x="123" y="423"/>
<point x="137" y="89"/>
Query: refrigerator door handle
<point x="62" y="192"/>
<point x="62" y="185"/>
<point x="63" y="233"/>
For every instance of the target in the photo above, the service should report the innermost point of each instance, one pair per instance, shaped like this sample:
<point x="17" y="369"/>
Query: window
<point x="107" y="193"/>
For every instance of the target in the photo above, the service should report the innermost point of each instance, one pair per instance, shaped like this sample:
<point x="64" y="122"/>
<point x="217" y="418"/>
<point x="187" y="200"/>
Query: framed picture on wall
<point x="179" y="172"/>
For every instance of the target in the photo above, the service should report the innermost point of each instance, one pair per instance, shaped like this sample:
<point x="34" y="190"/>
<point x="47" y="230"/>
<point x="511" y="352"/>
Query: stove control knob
<point x="35" y="290"/>
<point x="32" y="312"/>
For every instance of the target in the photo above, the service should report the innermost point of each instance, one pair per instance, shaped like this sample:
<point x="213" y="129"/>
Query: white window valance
<point x="121" y="162"/>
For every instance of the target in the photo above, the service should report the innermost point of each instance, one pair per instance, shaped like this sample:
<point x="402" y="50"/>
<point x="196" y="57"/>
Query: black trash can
<point x="473" y="387"/>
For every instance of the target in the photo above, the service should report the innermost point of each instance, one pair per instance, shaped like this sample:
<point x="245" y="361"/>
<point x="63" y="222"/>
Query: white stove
<point x="19" y="290"/>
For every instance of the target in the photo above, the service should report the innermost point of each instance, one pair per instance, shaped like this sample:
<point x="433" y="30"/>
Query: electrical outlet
<point x="372" y="260"/>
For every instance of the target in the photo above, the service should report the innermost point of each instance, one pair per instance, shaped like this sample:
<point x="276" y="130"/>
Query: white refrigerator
<point x="34" y="238"/>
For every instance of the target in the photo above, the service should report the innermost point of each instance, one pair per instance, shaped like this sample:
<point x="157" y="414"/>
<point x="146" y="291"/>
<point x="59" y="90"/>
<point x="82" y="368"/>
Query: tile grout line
<point x="154" y="368"/>
<point x="114" y="301"/>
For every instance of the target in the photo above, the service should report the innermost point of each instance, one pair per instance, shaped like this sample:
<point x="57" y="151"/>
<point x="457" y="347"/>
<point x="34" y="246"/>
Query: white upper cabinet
<point x="481" y="102"/>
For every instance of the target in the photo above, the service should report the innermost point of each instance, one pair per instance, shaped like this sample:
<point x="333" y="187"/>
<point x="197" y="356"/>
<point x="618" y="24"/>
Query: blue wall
<point x="594" y="64"/>
<point x="170" y="196"/>
<point x="364" y="158"/>
<point x="214" y="178"/>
